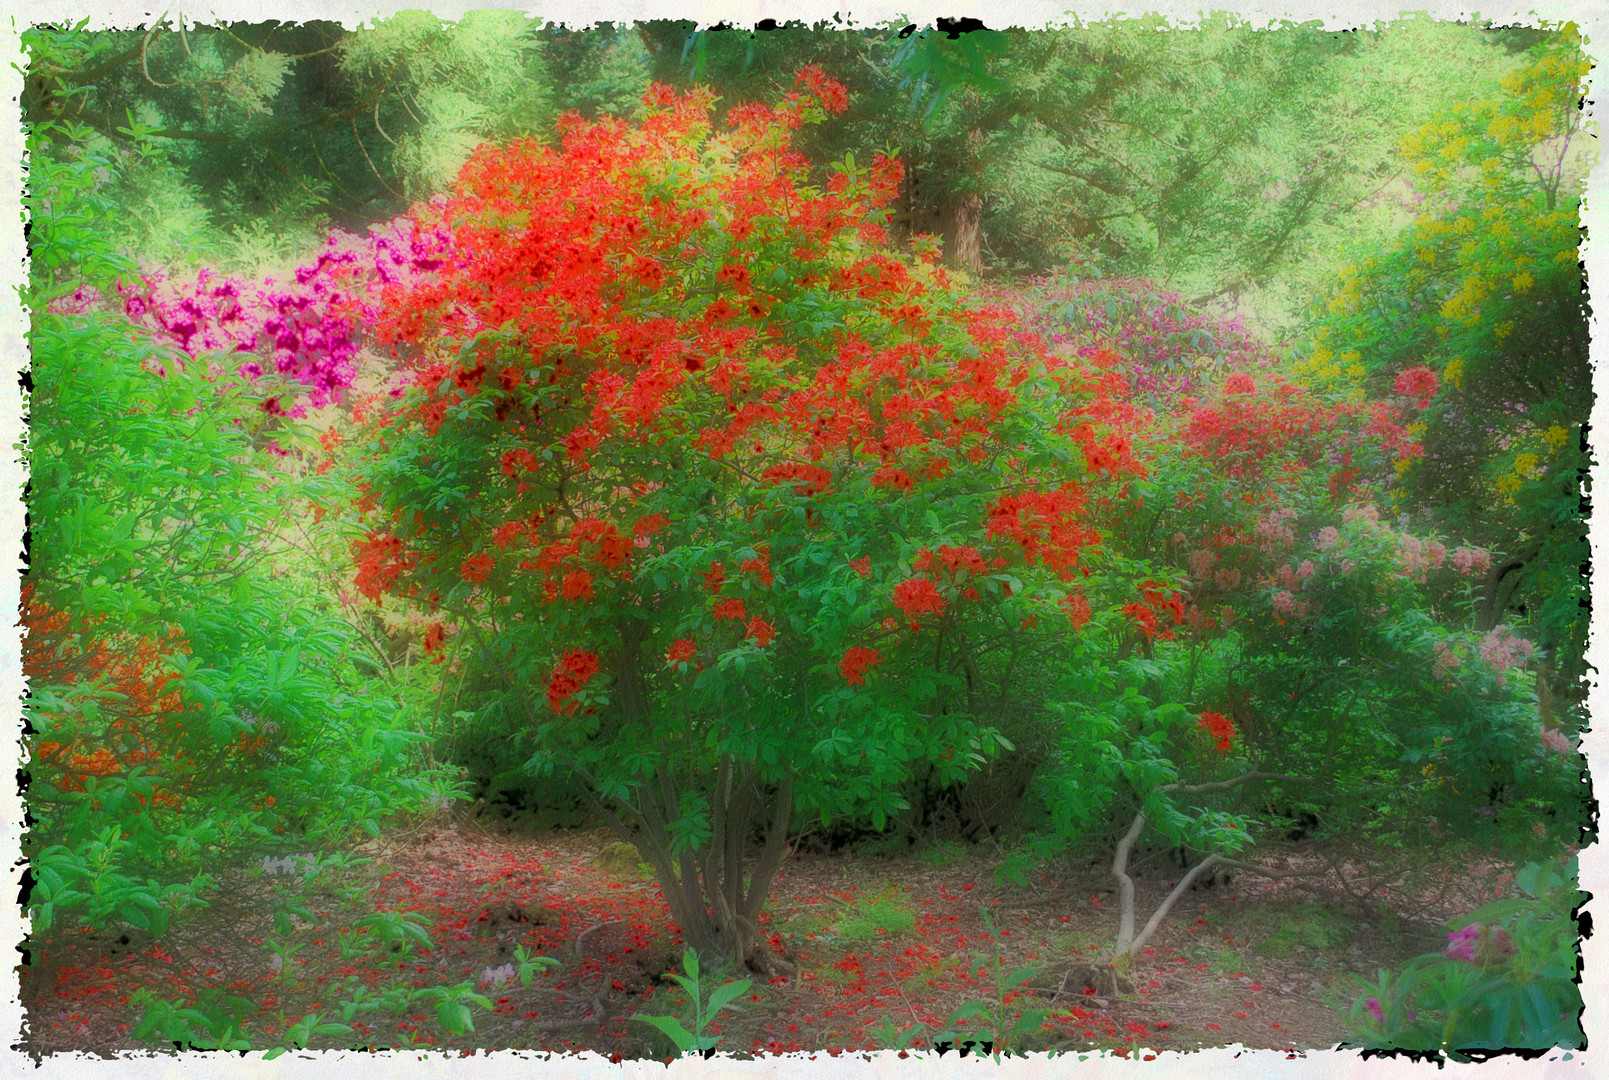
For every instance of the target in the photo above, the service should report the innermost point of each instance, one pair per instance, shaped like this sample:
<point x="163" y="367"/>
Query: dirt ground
<point x="886" y="948"/>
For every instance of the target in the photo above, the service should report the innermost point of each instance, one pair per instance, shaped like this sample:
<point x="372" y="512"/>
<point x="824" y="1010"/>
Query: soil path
<point x="886" y="949"/>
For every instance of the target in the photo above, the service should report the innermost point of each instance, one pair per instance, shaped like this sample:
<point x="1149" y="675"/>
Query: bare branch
<point x="1167" y="905"/>
<point x="1225" y="785"/>
<point x="1120" y="862"/>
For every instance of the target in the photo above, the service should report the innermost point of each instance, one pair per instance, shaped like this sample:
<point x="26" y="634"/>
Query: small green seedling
<point x="696" y="1041"/>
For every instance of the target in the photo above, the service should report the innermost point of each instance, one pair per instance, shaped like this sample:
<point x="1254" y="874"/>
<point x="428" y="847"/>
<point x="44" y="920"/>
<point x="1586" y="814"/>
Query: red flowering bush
<point x="675" y="398"/>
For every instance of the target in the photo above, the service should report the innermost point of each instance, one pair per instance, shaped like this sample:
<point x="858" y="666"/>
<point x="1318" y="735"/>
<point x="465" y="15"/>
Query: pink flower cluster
<point x="1367" y="513"/>
<point x="1172" y="349"/>
<point x="1294" y="578"/>
<point x="1468" y="560"/>
<point x="1416" y="557"/>
<point x="307" y="329"/>
<point x="1274" y="530"/>
<point x="1503" y="651"/>
<point x="1286" y="603"/>
<point x="1476" y="943"/>
<point x="1556" y="741"/>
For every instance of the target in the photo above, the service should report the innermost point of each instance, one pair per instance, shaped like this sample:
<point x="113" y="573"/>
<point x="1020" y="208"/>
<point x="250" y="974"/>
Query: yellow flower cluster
<point x="1453" y="373"/>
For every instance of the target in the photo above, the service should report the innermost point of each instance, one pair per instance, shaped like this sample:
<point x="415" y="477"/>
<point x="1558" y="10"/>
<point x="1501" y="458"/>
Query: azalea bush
<point x="726" y="507"/>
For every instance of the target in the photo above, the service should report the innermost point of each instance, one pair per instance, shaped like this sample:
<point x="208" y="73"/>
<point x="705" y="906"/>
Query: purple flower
<point x="1373" y="1005"/>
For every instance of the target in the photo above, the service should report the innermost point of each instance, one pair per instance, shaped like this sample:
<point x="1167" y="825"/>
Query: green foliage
<point x="184" y="681"/>
<point x="481" y="78"/>
<point x="696" y="1041"/>
<point x="1506" y="978"/>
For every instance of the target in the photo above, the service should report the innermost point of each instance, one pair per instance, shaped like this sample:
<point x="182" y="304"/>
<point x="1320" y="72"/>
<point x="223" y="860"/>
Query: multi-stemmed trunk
<point x="716" y="893"/>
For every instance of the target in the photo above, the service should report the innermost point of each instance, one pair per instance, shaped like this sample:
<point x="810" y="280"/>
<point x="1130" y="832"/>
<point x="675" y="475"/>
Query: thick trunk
<point x="966" y="233"/>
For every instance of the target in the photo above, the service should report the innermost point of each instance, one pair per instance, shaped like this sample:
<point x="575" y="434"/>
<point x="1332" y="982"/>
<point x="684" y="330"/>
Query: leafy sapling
<point x="696" y="1041"/>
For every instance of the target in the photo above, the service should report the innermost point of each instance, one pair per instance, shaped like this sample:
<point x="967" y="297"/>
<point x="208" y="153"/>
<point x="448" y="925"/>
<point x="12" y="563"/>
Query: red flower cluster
<point x="1220" y="727"/>
<point x="476" y="568"/>
<point x="380" y="562"/>
<point x="917" y="595"/>
<point x="1419" y="384"/>
<point x="1156" y="604"/>
<point x="953" y="560"/>
<point x="1076" y="604"/>
<point x="570" y="674"/>
<point x="730" y="607"/>
<point x="146" y="721"/>
<point x="857" y="659"/>
<point x="1046" y="524"/>
<point x="682" y="649"/>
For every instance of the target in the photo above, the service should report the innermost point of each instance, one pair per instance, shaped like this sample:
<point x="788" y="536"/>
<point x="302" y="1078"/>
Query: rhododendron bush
<point x="1339" y="636"/>
<point x="733" y="511"/>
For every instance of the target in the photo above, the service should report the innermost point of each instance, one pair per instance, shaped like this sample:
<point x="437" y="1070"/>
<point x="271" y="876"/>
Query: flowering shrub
<point x="307" y="329"/>
<point x="672" y="401"/>
<point x="1284" y="602"/>
<point x="1505" y="979"/>
<point x="1473" y="317"/>
<point x="1169" y="349"/>
<point x="184" y="704"/>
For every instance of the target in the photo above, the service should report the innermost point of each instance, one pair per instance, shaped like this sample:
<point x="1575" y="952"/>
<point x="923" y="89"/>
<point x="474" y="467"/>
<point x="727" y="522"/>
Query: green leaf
<point x="455" y="1016"/>
<point x="723" y="996"/>
<point x="672" y="1027"/>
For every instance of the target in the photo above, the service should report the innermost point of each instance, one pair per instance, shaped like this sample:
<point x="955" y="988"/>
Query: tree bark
<point x="966" y="233"/>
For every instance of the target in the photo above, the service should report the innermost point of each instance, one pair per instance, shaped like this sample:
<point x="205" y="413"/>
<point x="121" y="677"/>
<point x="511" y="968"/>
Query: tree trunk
<point x="966" y="233"/>
<point x="716" y="904"/>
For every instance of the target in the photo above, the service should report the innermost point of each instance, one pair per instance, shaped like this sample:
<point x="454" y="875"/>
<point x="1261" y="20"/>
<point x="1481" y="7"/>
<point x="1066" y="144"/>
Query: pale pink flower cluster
<point x="1367" y="513"/>
<point x="1286" y="603"/>
<point x="1202" y="562"/>
<point x="1415" y="556"/>
<point x="1294" y="578"/>
<point x="1504" y="651"/>
<point x="1471" y="560"/>
<point x="1275" y="531"/>
<point x="1556" y="740"/>
<point x="1328" y="537"/>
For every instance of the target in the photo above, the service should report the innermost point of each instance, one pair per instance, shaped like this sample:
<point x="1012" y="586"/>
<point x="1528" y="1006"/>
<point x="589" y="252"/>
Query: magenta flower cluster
<point x="1476" y="943"/>
<point x="1172" y="348"/>
<point x="307" y="330"/>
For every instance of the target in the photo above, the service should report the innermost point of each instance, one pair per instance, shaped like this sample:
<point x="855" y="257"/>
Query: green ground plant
<point x="697" y="1041"/>
<point x="1507" y="977"/>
